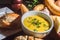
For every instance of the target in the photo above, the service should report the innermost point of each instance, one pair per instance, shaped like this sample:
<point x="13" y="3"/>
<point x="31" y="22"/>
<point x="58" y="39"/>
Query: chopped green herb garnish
<point x="34" y="18"/>
<point x="36" y="22"/>
<point x="30" y="17"/>
<point x="45" y="25"/>
<point x="37" y="26"/>
<point x="31" y="4"/>
<point x="35" y="30"/>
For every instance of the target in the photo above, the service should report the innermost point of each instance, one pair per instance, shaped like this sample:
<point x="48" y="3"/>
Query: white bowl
<point x="37" y="34"/>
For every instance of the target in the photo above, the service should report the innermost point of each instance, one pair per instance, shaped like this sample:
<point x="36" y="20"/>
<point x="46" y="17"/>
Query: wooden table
<point x="51" y="36"/>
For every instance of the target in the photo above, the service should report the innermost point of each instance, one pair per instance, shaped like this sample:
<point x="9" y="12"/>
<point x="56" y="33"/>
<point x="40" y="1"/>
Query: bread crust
<point x="9" y="19"/>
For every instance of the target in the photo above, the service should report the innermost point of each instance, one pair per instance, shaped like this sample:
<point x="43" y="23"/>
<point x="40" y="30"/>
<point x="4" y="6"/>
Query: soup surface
<point x="36" y="23"/>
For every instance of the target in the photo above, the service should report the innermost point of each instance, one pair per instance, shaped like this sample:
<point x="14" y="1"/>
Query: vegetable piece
<point x="31" y="4"/>
<point x="35" y="2"/>
<point x="16" y="6"/>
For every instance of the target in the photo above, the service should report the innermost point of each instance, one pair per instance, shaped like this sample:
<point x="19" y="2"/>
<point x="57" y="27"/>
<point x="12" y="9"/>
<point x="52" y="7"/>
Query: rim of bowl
<point x="51" y="27"/>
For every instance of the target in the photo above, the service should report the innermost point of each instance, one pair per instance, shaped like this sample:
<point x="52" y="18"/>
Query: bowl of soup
<point x="36" y="23"/>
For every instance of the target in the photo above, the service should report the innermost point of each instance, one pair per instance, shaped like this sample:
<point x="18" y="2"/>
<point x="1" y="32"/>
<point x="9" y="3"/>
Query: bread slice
<point x="8" y="19"/>
<point x="38" y="39"/>
<point x="53" y="17"/>
<point x="23" y="8"/>
<point x="39" y="7"/>
<point x="57" y="24"/>
<point x="30" y="38"/>
<point x="21" y="38"/>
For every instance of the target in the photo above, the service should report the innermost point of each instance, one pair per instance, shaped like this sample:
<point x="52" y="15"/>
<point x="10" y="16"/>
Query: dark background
<point x="6" y="1"/>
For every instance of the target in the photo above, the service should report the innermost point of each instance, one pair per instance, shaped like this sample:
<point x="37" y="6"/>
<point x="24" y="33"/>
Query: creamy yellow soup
<point x="36" y="23"/>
